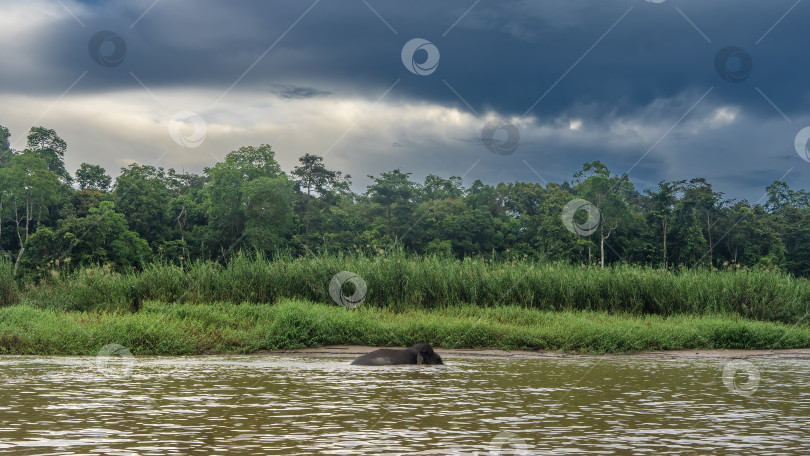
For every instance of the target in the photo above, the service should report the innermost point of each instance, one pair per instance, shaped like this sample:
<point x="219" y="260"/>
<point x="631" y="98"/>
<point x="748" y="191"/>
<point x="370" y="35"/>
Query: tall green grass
<point x="8" y="287"/>
<point x="186" y="329"/>
<point x="400" y="282"/>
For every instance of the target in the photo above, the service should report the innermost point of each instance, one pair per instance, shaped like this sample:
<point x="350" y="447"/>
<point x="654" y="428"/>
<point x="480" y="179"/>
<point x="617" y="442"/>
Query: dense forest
<point x="52" y="219"/>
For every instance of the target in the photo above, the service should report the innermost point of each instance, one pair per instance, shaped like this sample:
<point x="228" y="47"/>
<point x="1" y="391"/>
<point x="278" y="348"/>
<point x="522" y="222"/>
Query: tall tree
<point x="187" y="203"/>
<point x="30" y="187"/>
<point x="607" y="192"/>
<point x="226" y="193"/>
<point x="750" y="237"/>
<point x="436" y="188"/>
<point x="5" y="158"/>
<point x="5" y="146"/>
<point x="707" y="206"/>
<point x="791" y="220"/>
<point x="661" y="206"/>
<point x="93" y="177"/>
<point x="781" y="196"/>
<point x="268" y="212"/>
<point x="689" y="244"/>
<point x="391" y="189"/>
<point x="142" y="195"/>
<point x="482" y="196"/>
<point x="47" y="145"/>
<point x="313" y="176"/>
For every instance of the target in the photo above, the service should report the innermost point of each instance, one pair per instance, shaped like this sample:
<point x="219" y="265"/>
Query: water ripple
<point x="264" y="405"/>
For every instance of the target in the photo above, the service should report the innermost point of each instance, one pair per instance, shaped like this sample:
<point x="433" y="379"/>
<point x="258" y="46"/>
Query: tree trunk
<point x="17" y="262"/>
<point x="181" y="222"/>
<point x="388" y="219"/>
<point x="19" y="235"/>
<point x="306" y="229"/>
<point x="664" y="226"/>
<point x="711" y="247"/>
<point x="602" y="238"/>
<point x="602" y="248"/>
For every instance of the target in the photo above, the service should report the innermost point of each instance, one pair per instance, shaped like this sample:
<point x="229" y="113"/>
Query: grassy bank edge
<point x="190" y="329"/>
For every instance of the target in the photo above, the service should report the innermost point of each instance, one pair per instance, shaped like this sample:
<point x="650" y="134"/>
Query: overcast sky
<point x="659" y="89"/>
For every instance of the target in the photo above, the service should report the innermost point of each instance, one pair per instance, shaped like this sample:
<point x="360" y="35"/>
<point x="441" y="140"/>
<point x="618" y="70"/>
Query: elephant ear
<point x="419" y="358"/>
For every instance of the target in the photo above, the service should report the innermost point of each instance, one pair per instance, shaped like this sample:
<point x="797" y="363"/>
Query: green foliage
<point x="268" y="212"/>
<point x="229" y="193"/>
<point x="247" y="202"/>
<point x="92" y="177"/>
<point x="142" y="196"/>
<point x="5" y="146"/>
<point x="27" y="190"/>
<point x="100" y="238"/>
<point x="47" y="145"/>
<point x="8" y="286"/>
<point x="393" y="191"/>
<point x="166" y="329"/>
<point x="609" y="194"/>
<point x="438" y="188"/>
<point x="328" y="185"/>
<point x="439" y="248"/>
<point x="84" y="200"/>
<point x="28" y="186"/>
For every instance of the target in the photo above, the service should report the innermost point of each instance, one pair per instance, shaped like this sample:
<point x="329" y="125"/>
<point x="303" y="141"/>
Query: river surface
<point x="259" y="405"/>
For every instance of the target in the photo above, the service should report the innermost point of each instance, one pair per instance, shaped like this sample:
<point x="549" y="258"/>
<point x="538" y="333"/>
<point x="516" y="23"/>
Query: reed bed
<point x="398" y="281"/>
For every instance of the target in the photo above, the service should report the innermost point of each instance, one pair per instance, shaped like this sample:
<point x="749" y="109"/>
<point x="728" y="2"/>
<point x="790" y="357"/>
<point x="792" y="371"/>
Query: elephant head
<point x="426" y="355"/>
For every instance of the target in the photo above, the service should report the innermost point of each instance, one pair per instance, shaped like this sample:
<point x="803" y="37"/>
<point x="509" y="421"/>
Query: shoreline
<point x="356" y="350"/>
<point x="289" y="327"/>
<point x="352" y="351"/>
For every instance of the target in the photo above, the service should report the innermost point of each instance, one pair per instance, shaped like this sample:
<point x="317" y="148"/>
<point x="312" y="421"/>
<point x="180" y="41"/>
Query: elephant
<point x="418" y="354"/>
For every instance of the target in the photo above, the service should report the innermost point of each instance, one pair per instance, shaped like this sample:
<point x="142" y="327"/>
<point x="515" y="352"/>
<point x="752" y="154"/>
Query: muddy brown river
<point x="271" y="404"/>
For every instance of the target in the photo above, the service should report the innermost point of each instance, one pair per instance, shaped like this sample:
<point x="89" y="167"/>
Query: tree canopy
<point x="52" y="219"/>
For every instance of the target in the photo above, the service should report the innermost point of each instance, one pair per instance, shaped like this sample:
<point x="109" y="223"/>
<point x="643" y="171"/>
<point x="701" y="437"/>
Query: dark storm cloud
<point x="603" y="63"/>
<point x="294" y="92"/>
<point x="501" y="56"/>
